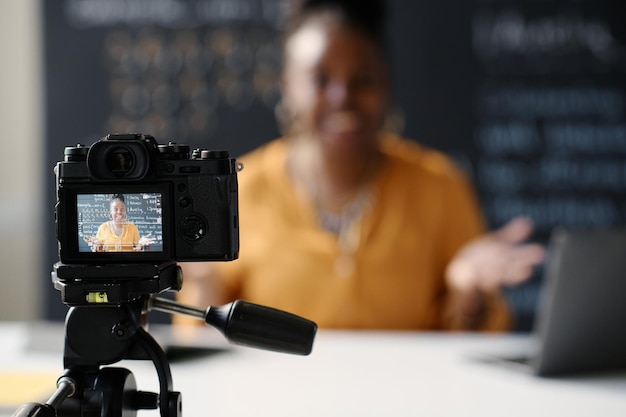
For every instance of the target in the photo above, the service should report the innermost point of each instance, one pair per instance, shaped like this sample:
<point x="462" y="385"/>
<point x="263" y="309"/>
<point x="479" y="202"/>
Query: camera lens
<point x="119" y="161"/>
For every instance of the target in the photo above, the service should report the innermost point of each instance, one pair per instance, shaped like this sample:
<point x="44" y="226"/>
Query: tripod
<point x="99" y="335"/>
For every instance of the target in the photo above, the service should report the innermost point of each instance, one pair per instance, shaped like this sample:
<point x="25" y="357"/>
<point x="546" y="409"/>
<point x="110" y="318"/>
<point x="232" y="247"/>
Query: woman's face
<point x="335" y="85"/>
<point x="118" y="211"/>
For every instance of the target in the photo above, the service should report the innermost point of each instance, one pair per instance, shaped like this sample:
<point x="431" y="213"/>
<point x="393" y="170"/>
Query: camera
<point x="128" y="208"/>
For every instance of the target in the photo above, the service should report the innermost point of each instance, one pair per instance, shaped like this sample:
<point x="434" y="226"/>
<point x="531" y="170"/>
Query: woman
<point x="351" y="227"/>
<point x="118" y="234"/>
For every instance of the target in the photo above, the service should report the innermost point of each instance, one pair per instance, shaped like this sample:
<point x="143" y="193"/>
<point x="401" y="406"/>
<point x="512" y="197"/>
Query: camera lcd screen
<point x="116" y="223"/>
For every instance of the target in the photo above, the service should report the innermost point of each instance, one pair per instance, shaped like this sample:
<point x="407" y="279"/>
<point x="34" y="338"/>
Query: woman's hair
<point x="117" y="197"/>
<point x="366" y="16"/>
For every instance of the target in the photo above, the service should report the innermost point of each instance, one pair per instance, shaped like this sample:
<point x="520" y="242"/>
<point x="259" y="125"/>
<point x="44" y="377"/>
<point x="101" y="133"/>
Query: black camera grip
<point x="258" y="326"/>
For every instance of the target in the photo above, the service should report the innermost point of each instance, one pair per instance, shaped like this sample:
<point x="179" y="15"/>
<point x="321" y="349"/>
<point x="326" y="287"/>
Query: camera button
<point x="193" y="228"/>
<point x="184" y="202"/>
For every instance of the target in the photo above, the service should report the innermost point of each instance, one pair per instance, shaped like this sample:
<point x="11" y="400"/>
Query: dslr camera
<point x="128" y="208"/>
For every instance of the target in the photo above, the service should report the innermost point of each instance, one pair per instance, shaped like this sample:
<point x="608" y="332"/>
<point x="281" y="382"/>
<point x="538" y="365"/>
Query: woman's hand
<point x="93" y="242"/>
<point x="145" y="240"/>
<point x="485" y="264"/>
<point x="496" y="259"/>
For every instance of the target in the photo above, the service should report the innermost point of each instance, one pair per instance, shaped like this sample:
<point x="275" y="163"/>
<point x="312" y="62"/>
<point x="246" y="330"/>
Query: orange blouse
<point x="112" y="242"/>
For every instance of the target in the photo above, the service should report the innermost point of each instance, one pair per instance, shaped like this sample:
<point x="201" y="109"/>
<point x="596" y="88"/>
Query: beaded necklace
<point x="346" y="222"/>
<point x="121" y="232"/>
<point x="347" y="226"/>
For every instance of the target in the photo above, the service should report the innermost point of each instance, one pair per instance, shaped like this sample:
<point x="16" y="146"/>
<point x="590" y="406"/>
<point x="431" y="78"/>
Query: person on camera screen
<point x="118" y="234"/>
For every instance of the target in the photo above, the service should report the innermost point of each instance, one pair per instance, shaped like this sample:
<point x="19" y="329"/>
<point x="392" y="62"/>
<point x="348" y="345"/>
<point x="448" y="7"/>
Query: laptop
<point x="581" y="319"/>
<point x="581" y="324"/>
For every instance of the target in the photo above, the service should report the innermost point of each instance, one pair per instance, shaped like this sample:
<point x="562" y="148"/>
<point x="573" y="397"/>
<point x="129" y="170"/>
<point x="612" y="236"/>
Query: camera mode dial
<point x="75" y="153"/>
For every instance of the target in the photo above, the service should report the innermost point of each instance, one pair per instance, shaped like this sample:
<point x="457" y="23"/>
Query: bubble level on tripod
<point x="97" y="297"/>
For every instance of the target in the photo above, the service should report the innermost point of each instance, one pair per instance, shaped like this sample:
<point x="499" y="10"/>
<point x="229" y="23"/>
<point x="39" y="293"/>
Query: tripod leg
<point x="170" y="403"/>
<point x="65" y="388"/>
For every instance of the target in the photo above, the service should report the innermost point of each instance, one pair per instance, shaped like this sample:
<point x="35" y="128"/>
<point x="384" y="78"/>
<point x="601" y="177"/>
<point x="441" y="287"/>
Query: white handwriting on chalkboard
<point x="521" y="101"/>
<point x="171" y="13"/>
<point x="553" y="174"/>
<point x="581" y="175"/>
<point x="504" y="176"/>
<point x="509" y="32"/>
<point x="549" y="211"/>
<point x="506" y="138"/>
<point x="522" y="138"/>
<point x="573" y="137"/>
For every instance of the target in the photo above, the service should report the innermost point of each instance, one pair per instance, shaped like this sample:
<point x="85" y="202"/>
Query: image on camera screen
<point x="124" y="222"/>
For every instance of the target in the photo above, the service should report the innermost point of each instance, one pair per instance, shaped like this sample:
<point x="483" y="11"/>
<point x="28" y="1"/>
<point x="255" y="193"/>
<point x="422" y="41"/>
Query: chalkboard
<point x="550" y="117"/>
<point x="142" y="209"/>
<point x="529" y="96"/>
<point x="550" y="109"/>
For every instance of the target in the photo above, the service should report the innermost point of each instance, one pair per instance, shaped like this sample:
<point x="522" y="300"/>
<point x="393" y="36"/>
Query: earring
<point x="395" y="120"/>
<point x="285" y="119"/>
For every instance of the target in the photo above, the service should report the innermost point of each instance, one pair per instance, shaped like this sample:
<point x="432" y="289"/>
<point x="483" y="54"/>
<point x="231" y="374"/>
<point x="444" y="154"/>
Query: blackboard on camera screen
<point x="528" y="95"/>
<point x="144" y="210"/>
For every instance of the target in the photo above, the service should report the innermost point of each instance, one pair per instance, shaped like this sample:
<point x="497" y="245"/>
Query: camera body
<point x="183" y="206"/>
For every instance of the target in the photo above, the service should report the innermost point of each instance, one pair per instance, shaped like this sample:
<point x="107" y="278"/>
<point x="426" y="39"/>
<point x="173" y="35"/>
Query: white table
<point x="359" y="374"/>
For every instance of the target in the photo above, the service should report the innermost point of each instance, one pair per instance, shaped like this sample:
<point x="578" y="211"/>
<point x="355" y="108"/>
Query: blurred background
<point x="528" y="96"/>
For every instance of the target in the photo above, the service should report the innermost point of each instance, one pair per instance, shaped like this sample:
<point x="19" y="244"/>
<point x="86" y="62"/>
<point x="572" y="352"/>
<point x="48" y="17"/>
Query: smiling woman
<point x="351" y="226"/>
